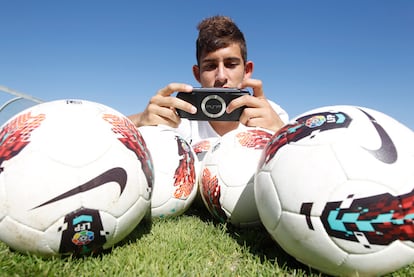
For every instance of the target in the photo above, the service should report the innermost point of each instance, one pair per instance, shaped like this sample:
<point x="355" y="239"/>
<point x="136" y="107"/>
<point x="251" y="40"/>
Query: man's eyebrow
<point x="232" y="59"/>
<point x="229" y="59"/>
<point x="208" y="60"/>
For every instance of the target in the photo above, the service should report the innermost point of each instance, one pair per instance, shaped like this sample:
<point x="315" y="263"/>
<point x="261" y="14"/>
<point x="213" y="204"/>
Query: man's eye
<point x="232" y="65"/>
<point x="209" y="66"/>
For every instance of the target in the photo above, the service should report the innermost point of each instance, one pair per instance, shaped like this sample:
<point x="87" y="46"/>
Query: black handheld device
<point x="211" y="103"/>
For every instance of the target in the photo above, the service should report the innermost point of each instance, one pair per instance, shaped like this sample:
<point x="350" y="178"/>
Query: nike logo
<point x="387" y="153"/>
<point x="117" y="175"/>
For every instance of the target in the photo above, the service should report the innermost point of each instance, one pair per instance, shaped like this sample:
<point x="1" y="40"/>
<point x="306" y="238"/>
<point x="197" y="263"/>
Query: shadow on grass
<point x="257" y="240"/>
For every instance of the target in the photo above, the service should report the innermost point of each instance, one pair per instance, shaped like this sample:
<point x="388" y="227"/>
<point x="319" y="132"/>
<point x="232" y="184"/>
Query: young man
<point x="221" y="62"/>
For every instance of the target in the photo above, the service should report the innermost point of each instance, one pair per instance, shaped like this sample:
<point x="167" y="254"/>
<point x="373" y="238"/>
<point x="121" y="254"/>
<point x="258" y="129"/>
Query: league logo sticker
<point x="82" y="233"/>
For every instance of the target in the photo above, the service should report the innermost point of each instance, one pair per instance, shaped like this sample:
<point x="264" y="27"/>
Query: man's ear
<point x="248" y="69"/>
<point x="196" y="72"/>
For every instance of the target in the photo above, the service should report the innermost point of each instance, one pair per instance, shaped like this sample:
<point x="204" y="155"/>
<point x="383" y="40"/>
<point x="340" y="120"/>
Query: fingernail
<point x="193" y="110"/>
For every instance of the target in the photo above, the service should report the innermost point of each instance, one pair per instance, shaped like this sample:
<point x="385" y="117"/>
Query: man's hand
<point x="258" y="111"/>
<point x="161" y="108"/>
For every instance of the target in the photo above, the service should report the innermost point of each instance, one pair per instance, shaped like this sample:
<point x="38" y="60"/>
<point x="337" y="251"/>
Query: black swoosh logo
<point x="116" y="174"/>
<point x="387" y="153"/>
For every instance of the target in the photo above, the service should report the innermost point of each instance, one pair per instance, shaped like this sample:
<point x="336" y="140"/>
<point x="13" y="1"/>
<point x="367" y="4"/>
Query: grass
<point x="189" y="245"/>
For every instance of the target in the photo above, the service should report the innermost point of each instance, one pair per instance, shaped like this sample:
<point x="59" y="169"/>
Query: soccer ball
<point x="334" y="188"/>
<point x="227" y="175"/>
<point x="202" y="147"/>
<point x="75" y="178"/>
<point x="175" y="171"/>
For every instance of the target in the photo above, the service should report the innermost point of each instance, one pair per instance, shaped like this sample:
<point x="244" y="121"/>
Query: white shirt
<point x="194" y="131"/>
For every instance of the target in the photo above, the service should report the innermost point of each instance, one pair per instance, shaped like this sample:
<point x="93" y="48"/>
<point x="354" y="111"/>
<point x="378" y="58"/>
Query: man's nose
<point x="221" y="75"/>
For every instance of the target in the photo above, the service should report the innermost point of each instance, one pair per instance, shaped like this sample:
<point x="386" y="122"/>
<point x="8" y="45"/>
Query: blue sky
<point x="307" y="53"/>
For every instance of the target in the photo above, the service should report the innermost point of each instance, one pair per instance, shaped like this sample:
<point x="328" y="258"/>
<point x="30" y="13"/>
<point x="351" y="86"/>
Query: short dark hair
<point x="218" y="32"/>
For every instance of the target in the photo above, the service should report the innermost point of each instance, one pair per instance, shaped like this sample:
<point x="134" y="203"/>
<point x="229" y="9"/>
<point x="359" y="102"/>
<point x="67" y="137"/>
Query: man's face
<point x="221" y="68"/>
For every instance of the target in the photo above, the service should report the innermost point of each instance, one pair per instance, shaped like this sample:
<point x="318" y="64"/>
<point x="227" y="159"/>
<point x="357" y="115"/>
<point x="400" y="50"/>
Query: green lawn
<point x="189" y="245"/>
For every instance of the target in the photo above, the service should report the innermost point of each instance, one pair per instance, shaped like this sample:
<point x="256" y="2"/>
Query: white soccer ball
<point x="75" y="178"/>
<point x="201" y="149"/>
<point x="175" y="171"/>
<point x="227" y="175"/>
<point x="335" y="190"/>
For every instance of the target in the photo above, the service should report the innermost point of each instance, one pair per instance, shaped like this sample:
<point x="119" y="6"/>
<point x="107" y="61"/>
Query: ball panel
<point x="241" y="151"/>
<point x="387" y="260"/>
<point x="79" y="150"/>
<point x="308" y="245"/>
<point x="22" y="238"/>
<point x="4" y="209"/>
<point x="241" y="211"/>
<point x="27" y="192"/>
<point x="265" y="193"/>
<point x="304" y="181"/>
